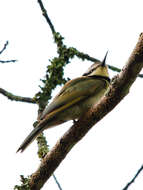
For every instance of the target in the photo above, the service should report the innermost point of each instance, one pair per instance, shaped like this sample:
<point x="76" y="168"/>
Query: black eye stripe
<point x="91" y="70"/>
<point x="87" y="73"/>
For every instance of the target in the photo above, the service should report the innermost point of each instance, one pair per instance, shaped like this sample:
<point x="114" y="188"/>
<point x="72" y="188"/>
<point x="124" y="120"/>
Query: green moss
<point x="24" y="185"/>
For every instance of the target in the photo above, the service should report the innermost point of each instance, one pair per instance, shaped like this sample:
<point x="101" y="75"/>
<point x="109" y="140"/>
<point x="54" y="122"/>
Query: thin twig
<point x="8" y="61"/>
<point x="44" y="11"/>
<point x="11" y="96"/>
<point x="140" y="75"/>
<point x="57" y="182"/>
<point x="4" y="48"/>
<point x="133" y="180"/>
<point x="113" y="68"/>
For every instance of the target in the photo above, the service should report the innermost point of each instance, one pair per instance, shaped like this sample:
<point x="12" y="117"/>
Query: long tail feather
<point x="30" y="138"/>
<point x="47" y="122"/>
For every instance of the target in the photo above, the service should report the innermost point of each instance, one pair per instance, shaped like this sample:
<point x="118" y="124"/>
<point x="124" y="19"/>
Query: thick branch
<point x="118" y="90"/>
<point x="11" y="96"/>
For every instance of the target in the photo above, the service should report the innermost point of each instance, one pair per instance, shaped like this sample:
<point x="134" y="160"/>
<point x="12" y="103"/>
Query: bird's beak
<point x="104" y="60"/>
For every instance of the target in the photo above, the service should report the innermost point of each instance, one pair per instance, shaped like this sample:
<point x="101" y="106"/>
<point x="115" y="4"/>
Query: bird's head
<point x="98" y="68"/>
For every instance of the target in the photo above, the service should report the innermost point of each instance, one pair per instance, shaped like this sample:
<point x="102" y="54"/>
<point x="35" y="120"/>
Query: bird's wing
<point x="71" y="93"/>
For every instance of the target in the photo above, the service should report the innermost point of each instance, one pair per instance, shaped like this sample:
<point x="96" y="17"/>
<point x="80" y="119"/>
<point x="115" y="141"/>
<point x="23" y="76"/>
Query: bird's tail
<point x="30" y="138"/>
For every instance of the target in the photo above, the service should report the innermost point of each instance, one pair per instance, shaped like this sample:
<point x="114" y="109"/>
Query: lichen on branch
<point x="11" y="96"/>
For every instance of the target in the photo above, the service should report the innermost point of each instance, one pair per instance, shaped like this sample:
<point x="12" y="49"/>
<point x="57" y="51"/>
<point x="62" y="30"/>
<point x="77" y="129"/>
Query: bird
<point x="75" y="98"/>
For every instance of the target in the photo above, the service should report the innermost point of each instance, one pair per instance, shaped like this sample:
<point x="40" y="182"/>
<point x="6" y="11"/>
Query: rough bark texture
<point x="118" y="90"/>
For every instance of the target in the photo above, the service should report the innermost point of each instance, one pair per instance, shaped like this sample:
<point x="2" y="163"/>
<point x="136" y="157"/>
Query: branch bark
<point x="117" y="91"/>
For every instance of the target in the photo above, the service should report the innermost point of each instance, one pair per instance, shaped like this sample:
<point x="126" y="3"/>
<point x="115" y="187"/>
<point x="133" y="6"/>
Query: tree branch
<point x="3" y="49"/>
<point x="134" y="178"/>
<point x="113" y="68"/>
<point x="11" y="96"/>
<point x="8" y="61"/>
<point x="57" y="182"/>
<point x="44" y="11"/>
<point x="118" y="90"/>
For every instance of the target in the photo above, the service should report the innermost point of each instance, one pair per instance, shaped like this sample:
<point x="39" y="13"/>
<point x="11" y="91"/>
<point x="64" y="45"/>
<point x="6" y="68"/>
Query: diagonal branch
<point x="44" y="12"/>
<point x="57" y="182"/>
<point x="4" y="47"/>
<point x="134" y="178"/>
<point x="118" y="90"/>
<point x="11" y="96"/>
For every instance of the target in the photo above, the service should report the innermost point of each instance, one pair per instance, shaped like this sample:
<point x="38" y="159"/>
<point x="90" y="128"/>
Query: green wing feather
<point x="71" y="94"/>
